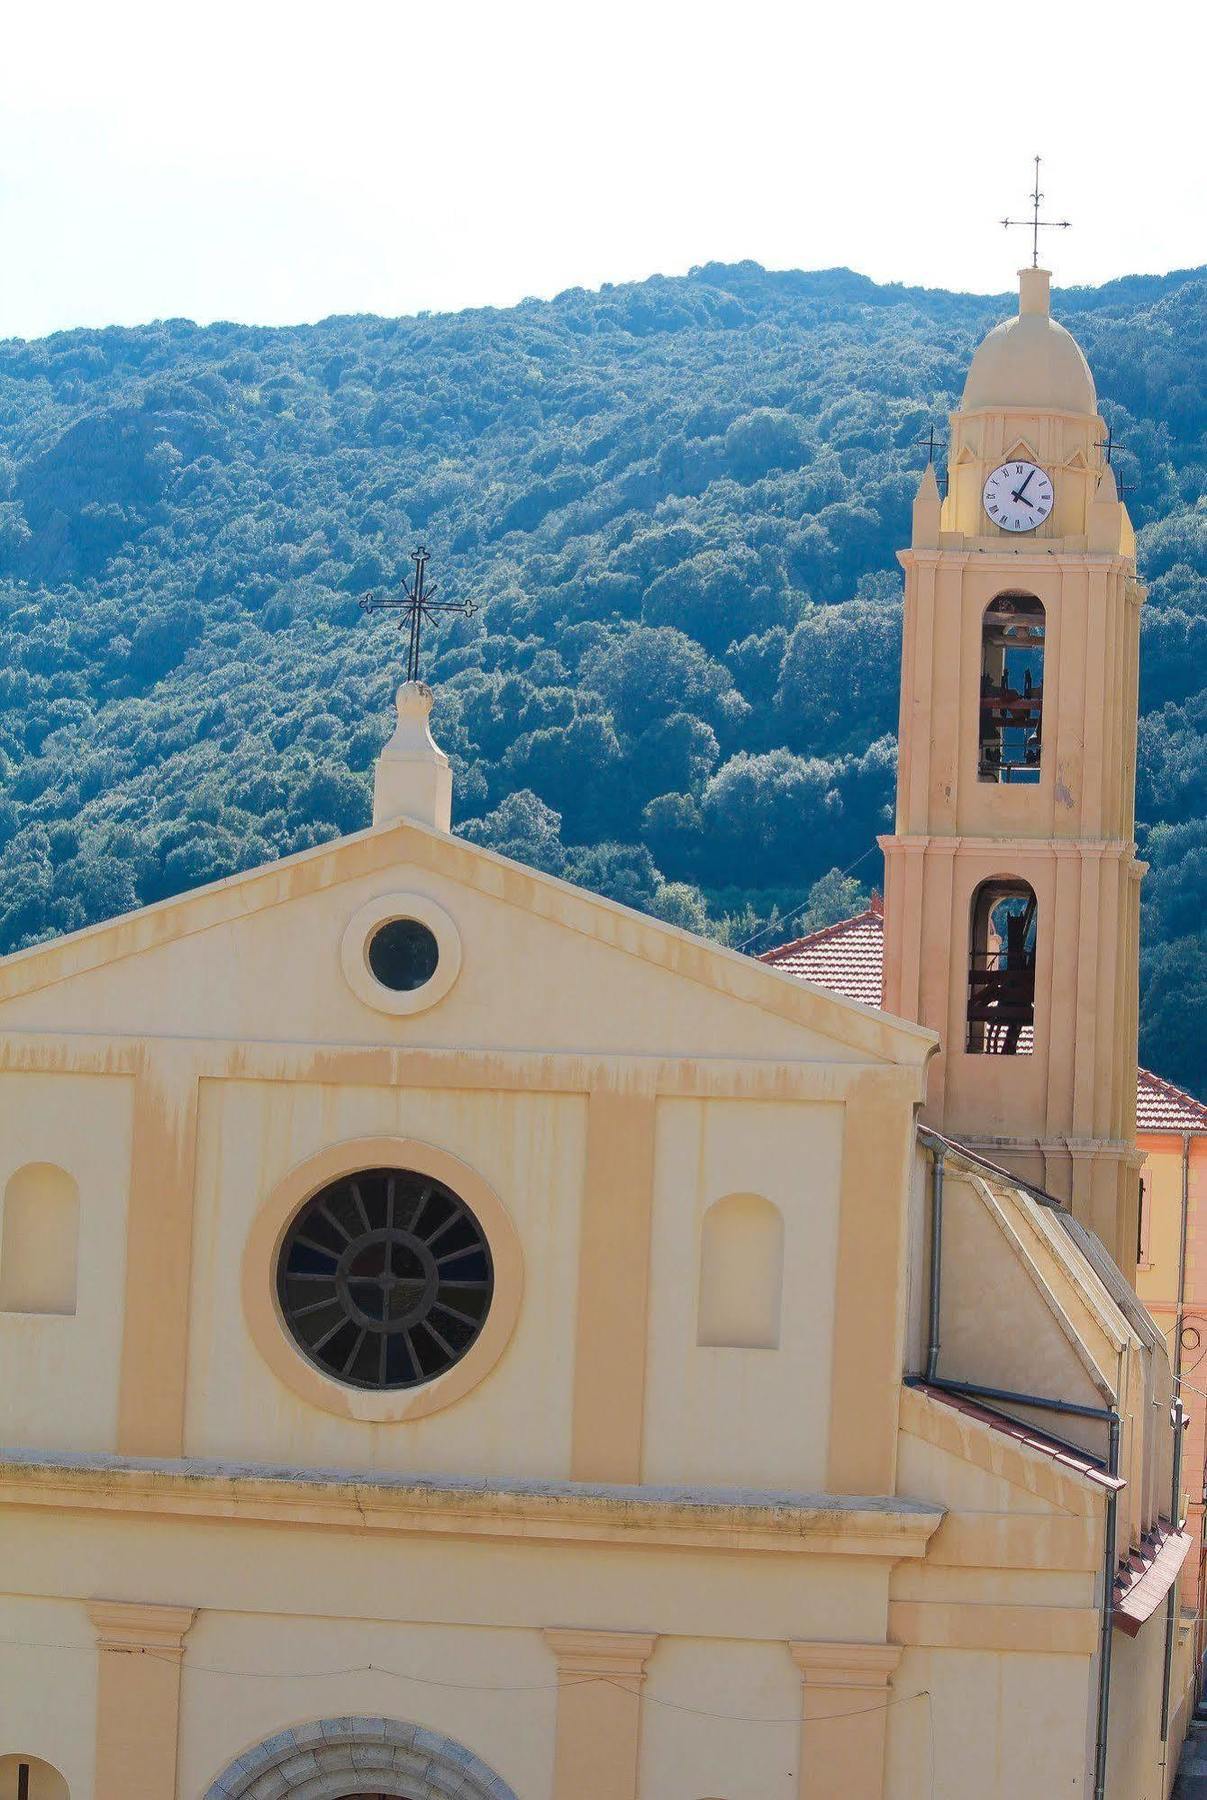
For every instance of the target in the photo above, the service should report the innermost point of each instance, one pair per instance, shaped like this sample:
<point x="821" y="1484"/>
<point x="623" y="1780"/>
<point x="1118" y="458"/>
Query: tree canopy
<point x="677" y="504"/>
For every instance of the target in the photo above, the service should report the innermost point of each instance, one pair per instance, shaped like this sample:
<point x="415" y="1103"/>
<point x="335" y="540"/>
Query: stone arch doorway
<point x="357" y="1758"/>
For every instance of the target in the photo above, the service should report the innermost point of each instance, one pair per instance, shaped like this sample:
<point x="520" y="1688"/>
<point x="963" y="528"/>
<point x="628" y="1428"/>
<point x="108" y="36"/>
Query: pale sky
<point x="277" y="163"/>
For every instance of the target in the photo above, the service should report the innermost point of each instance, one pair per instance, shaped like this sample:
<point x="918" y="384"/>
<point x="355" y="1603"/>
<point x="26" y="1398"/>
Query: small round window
<point x="402" y="954"/>
<point x="385" y="1279"/>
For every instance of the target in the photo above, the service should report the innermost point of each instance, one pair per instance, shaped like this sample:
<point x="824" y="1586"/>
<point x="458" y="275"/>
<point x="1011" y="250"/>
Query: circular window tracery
<point x="385" y="1278"/>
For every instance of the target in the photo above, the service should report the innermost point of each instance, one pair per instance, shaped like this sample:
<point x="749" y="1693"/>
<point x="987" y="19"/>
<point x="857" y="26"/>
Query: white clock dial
<point x="1018" y="496"/>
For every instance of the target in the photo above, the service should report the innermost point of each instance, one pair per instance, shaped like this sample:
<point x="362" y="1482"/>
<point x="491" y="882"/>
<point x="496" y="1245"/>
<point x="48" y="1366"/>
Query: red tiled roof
<point x="848" y="959"/>
<point x="1022" y="1434"/>
<point x="1160" y="1106"/>
<point x="1147" y="1576"/>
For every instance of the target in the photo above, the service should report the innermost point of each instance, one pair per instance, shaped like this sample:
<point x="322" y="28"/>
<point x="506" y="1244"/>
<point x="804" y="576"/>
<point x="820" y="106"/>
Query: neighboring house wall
<point x="1157" y="1285"/>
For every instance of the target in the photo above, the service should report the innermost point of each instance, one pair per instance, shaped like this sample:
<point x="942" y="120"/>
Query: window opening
<point x="385" y="1279"/>
<point x="1001" y="972"/>
<point x="403" y="954"/>
<point x="1012" y="689"/>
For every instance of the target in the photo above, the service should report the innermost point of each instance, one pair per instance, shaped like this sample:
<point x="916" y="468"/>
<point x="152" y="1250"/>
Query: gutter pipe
<point x="1180" y="1422"/>
<point x="1108" y="1610"/>
<point x="938" y="1159"/>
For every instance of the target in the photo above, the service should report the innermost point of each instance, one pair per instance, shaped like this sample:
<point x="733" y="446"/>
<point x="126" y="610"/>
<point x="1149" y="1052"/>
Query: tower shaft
<point x="1012" y="885"/>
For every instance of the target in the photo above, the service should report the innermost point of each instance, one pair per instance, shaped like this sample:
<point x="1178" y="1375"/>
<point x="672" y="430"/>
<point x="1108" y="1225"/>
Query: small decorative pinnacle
<point x="412" y="779"/>
<point x="1035" y="224"/>
<point x="415" y="604"/>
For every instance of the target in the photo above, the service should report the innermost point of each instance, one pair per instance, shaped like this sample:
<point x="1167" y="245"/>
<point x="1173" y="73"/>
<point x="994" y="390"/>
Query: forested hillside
<point x="676" y="504"/>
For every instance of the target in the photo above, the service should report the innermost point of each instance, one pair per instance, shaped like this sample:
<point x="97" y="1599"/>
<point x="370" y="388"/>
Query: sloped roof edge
<point x="879" y="1035"/>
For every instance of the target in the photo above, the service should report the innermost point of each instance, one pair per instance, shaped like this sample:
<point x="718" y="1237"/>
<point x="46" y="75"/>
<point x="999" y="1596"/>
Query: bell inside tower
<point x="1012" y="689"/>
<point x="1001" y="970"/>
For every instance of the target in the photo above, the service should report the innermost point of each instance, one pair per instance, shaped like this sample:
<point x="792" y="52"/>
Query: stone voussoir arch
<point x="327" y="1759"/>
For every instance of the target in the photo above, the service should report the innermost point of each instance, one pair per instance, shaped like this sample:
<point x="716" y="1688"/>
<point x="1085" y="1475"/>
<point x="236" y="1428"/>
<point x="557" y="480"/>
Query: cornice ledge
<point x="698" y="1518"/>
<point x="845" y="1664"/>
<point x="143" y="1625"/>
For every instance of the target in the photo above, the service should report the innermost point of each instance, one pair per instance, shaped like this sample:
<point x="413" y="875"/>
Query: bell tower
<point x="1011" y="882"/>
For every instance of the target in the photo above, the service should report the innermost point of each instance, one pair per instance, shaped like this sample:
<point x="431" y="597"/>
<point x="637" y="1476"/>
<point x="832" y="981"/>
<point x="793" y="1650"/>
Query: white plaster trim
<point x="354" y="952"/>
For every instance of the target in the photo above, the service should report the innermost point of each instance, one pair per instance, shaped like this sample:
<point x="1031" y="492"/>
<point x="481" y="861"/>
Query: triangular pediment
<point x="1078" y="462"/>
<point x="546" y="966"/>
<point x="967" y="454"/>
<point x="1021" y="451"/>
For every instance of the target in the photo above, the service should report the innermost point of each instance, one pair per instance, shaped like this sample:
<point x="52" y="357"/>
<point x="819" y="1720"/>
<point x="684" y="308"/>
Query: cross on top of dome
<point x="1035" y="224"/>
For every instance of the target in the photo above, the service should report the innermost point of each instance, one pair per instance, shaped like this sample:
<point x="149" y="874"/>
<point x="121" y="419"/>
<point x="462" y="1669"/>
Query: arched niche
<point x="29" y="1778"/>
<point x="1012" y="690"/>
<point x="39" y="1236"/>
<point x="741" y="1274"/>
<point x="361" y="1756"/>
<point x="1001" y="968"/>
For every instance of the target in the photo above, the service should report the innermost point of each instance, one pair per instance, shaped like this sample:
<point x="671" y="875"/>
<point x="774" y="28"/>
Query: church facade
<point x="464" y="1339"/>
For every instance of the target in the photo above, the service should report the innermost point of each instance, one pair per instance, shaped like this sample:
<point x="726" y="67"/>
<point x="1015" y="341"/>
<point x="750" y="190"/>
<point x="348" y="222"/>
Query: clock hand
<point x="1018" y="493"/>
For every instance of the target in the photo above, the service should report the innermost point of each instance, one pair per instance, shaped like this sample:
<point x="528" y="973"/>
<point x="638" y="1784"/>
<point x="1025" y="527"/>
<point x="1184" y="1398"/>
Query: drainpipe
<point x="936" y="1259"/>
<point x="1179" y="1420"/>
<point x="1108" y="1615"/>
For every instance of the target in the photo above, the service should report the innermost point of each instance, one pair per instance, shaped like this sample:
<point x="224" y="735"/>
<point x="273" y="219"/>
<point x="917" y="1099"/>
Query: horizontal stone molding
<point x="845" y="1665"/>
<point x="1017" y="1541"/>
<point x="572" y="1512"/>
<point x="609" y="1655"/>
<point x="960" y="1625"/>
<point x="503" y="1071"/>
<point x="133" y="1625"/>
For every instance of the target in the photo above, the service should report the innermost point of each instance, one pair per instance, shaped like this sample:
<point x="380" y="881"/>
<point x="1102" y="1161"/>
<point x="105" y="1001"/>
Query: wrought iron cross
<point x="1107" y="443"/>
<point x="415" y="604"/>
<point x="1035" y="224"/>
<point x="929" y="441"/>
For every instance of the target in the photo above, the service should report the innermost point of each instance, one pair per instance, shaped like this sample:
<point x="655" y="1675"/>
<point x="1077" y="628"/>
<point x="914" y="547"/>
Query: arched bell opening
<point x="1001" y="969"/>
<point x="1012" y="690"/>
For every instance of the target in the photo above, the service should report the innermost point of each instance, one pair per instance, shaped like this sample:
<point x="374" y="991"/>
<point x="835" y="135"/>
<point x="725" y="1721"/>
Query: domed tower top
<point x="1030" y="361"/>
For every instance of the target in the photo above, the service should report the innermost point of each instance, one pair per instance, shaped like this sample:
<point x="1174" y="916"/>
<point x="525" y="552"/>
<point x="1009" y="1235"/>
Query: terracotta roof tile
<point x="1147" y="1576"/>
<point x="1026" y="1435"/>
<point x="1160" y="1106"/>
<point x="848" y="959"/>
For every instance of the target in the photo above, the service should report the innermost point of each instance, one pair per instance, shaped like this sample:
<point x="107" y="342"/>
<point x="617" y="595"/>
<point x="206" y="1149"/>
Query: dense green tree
<point x="676" y="506"/>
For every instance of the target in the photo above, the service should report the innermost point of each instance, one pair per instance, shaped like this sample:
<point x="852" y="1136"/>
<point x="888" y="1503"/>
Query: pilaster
<point x="138" y="1697"/>
<point x="599" y="1675"/>
<point x="844" y="1713"/>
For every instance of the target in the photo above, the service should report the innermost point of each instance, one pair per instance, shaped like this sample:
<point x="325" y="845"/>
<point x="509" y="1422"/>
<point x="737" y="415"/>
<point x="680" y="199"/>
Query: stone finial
<point x="412" y="778"/>
<point x="928" y="510"/>
<point x="1105" y="523"/>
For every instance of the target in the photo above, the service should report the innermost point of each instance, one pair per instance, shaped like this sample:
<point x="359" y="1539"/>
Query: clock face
<point x="1018" y="496"/>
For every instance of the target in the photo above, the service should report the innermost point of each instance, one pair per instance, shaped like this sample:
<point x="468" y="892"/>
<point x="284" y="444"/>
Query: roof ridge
<point x="1171" y="1087"/>
<point x="824" y="933"/>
